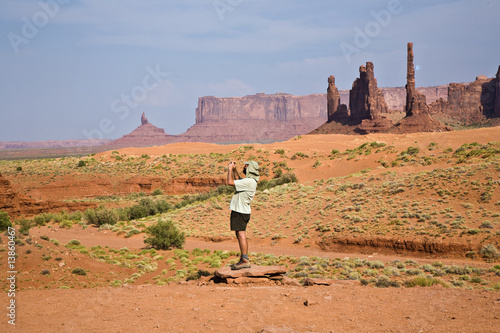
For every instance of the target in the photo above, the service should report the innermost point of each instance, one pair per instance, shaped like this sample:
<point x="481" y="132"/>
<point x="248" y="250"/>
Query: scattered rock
<point x="254" y="271"/>
<point x="255" y="274"/>
<point x="290" y="282"/>
<point x="309" y="303"/>
<point x="318" y="282"/>
<point x="246" y="280"/>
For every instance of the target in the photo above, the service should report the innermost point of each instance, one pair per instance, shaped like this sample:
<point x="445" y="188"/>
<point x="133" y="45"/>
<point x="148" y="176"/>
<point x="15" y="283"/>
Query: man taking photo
<point x="240" y="205"/>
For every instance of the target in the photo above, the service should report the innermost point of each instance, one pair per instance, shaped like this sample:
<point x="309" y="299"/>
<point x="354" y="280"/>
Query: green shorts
<point x="239" y="221"/>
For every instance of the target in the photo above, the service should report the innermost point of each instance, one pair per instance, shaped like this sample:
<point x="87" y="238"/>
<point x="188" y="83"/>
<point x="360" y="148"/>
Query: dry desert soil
<point x="371" y="214"/>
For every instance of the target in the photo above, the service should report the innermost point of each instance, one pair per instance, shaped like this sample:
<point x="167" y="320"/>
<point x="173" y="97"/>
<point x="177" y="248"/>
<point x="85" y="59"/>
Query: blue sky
<point x="72" y="69"/>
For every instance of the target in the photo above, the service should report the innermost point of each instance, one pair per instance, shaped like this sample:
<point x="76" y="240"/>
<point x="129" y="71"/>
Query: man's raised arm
<point x="230" y="173"/>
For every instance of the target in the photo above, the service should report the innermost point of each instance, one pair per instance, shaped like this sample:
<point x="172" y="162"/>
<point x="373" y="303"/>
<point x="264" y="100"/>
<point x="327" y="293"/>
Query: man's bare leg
<point x="242" y="241"/>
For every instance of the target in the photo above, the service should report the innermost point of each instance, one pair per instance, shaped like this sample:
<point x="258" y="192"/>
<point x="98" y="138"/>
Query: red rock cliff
<point x="470" y="102"/>
<point x="257" y="118"/>
<point x="278" y="107"/>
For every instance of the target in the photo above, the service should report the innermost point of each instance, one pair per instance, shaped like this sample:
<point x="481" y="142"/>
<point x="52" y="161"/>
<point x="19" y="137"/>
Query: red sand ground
<point x="190" y="307"/>
<point x="201" y="306"/>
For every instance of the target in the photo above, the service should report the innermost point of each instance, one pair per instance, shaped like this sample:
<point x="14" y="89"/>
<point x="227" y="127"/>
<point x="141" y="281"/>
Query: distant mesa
<point x="256" y="118"/>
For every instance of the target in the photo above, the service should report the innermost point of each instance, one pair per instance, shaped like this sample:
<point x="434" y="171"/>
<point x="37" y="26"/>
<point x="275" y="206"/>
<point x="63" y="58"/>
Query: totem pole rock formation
<point x="367" y="103"/>
<point x="416" y="102"/>
<point x="336" y="111"/>
<point x="417" y="117"/>
<point x="366" y="100"/>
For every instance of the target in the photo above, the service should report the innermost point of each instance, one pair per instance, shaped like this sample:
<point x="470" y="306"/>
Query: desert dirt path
<point x="93" y="237"/>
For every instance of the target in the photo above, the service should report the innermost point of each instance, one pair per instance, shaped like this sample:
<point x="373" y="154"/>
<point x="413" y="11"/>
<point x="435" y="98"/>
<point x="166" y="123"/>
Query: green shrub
<point x="81" y="164"/>
<point x="132" y="232"/>
<point x="43" y="218"/>
<point x="376" y="264"/>
<point x="283" y="179"/>
<point x="411" y="151"/>
<point x="280" y="152"/>
<point x="150" y="205"/>
<point x="66" y="224"/>
<point x="163" y="206"/>
<point x="385" y="282"/>
<point x="164" y="235"/>
<point x="19" y="168"/>
<point x="101" y="216"/>
<point x="423" y="281"/>
<point x="25" y="226"/>
<point x="79" y="271"/>
<point x="299" y="155"/>
<point x="490" y="251"/>
<point x="74" y="242"/>
<point x="158" y="191"/>
<point x="136" y="212"/>
<point x="75" y="216"/>
<point x="4" y="221"/>
<point x="317" y="164"/>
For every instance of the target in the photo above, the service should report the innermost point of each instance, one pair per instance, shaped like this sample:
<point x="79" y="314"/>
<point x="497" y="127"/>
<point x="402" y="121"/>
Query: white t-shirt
<point x="245" y="190"/>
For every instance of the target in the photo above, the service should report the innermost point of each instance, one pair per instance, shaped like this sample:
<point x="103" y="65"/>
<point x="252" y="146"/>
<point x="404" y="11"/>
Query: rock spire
<point x="417" y="117"/>
<point x="415" y="101"/>
<point x="366" y="100"/>
<point x="144" y="120"/>
<point x="336" y="111"/>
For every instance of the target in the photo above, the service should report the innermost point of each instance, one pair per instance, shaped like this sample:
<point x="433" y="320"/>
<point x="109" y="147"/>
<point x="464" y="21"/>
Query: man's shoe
<point x="240" y="265"/>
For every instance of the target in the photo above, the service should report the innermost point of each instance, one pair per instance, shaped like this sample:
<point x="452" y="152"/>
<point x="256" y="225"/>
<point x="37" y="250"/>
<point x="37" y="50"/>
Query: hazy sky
<point x="72" y="69"/>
